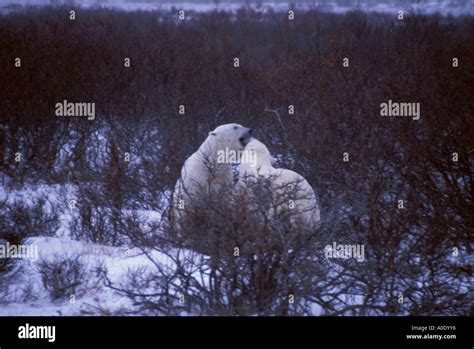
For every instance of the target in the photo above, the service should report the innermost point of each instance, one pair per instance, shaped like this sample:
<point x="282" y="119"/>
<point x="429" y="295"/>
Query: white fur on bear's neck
<point x="263" y="155"/>
<point x="209" y="149"/>
<point x="264" y="159"/>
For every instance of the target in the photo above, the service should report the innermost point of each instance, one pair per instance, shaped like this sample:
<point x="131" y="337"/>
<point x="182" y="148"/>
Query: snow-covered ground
<point x="29" y="297"/>
<point x="444" y="7"/>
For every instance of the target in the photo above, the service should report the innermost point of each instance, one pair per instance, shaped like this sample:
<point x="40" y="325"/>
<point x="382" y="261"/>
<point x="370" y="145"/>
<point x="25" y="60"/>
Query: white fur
<point x="283" y="183"/>
<point x="201" y="173"/>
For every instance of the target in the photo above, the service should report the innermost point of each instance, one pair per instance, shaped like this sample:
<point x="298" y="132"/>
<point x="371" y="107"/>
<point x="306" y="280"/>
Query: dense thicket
<point x="421" y="251"/>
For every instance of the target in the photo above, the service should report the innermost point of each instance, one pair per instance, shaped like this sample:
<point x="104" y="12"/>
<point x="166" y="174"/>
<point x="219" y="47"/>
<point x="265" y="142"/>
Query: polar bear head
<point x="260" y="152"/>
<point x="231" y="136"/>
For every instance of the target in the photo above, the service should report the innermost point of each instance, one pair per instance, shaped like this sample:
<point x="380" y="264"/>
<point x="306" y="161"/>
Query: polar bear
<point x="289" y="190"/>
<point x="209" y="170"/>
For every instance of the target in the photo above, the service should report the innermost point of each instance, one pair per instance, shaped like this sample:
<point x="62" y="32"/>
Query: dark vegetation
<point x="422" y="251"/>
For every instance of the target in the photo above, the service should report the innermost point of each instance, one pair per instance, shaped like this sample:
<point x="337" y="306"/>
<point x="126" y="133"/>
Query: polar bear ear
<point x="212" y="134"/>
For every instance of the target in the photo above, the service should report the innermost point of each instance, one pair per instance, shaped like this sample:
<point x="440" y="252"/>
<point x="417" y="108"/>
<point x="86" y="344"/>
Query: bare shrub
<point x="18" y="221"/>
<point x="66" y="275"/>
<point x="245" y="265"/>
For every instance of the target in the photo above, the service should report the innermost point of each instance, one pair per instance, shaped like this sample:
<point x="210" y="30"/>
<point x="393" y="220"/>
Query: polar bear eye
<point x="236" y="127"/>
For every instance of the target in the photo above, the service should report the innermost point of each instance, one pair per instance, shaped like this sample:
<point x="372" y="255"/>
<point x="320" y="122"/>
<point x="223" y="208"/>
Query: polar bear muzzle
<point x="245" y="137"/>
